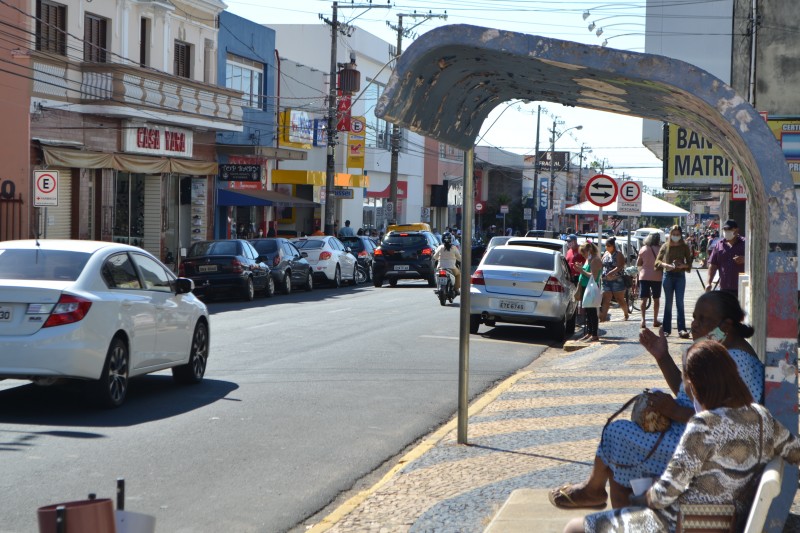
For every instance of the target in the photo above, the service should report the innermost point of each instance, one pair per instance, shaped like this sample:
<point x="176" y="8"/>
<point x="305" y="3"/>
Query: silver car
<point x="523" y="285"/>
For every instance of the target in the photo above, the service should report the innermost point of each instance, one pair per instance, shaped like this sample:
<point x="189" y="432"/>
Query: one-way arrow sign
<point x="597" y="190"/>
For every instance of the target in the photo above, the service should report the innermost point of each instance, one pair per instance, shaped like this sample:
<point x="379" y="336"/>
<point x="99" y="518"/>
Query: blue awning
<point x="259" y="198"/>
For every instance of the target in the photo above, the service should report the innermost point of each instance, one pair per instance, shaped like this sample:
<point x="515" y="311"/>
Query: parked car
<point x="98" y="312"/>
<point x="364" y="249"/>
<point x="405" y="255"/>
<point x="221" y="266"/>
<point x="540" y="242"/>
<point x="330" y="260"/>
<point x="523" y="285"/>
<point x="288" y="265"/>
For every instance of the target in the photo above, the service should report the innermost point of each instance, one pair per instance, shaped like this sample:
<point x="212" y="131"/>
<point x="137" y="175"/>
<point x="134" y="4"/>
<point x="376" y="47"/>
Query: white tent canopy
<point x="651" y="207"/>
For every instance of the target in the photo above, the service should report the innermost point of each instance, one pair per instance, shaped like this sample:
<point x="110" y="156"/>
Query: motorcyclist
<point x="446" y="256"/>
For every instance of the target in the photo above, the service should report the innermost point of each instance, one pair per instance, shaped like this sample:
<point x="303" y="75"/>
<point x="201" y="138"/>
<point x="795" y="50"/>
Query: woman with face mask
<point x="628" y="452"/>
<point x="675" y="259"/>
<point x="719" y="458"/>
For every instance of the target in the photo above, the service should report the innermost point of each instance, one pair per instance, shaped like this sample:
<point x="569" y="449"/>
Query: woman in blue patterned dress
<point x="625" y="449"/>
<point x="719" y="458"/>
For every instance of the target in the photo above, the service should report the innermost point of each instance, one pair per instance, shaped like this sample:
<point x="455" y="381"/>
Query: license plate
<point x="5" y="314"/>
<point x="207" y="268"/>
<point x="510" y="305"/>
<point x="401" y="267"/>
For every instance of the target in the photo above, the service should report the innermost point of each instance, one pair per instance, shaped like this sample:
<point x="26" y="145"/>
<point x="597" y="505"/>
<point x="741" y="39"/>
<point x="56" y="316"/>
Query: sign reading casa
<point x="158" y="140"/>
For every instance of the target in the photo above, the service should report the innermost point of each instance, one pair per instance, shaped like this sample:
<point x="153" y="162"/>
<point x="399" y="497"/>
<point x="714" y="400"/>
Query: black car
<point x="405" y="255"/>
<point x="288" y="265"/>
<point x="363" y="248"/>
<point x="222" y="266"/>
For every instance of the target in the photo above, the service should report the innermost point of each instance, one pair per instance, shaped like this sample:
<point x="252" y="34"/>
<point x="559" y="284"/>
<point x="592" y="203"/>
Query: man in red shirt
<point x="574" y="259"/>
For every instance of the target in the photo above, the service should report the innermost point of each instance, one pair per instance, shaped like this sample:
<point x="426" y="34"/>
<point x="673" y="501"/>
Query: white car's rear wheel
<point x="112" y="387"/>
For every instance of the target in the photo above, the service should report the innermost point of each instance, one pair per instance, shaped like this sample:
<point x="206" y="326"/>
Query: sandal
<point x="643" y="325"/>
<point x="656" y="324"/>
<point x="561" y="499"/>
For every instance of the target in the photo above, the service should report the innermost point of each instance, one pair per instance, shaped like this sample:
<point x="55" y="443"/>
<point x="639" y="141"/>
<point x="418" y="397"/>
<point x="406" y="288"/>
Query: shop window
<point x="242" y="74"/>
<point x="379" y="132"/>
<point x="129" y="209"/>
<point x="95" y="39"/>
<point x="51" y="26"/>
<point x="183" y="59"/>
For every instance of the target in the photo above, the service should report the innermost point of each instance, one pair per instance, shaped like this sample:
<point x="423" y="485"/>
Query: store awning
<point x="261" y="198"/>
<point x="64" y="157"/>
<point x="355" y="181"/>
<point x="299" y="177"/>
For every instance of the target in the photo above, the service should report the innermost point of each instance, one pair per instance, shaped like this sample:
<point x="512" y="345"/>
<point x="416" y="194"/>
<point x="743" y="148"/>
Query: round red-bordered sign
<point x="601" y="190"/>
<point x="630" y="191"/>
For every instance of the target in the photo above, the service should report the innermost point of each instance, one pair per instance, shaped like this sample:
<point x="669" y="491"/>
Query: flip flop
<point x="656" y="324"/>
<point x="556" y="497"/>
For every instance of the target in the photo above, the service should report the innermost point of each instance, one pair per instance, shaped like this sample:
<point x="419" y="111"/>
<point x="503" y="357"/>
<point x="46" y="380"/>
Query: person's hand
<point x="655" y="344"/>
<point x="662" y="402"/>
<point x="738" y="259"/>
<point x="708" y="287"/>
<point x="668" y="267"/>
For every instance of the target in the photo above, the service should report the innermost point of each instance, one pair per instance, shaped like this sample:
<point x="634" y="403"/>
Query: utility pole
<point x="536" y="171"/>
<point x="396" y="135"/>
<point x="330" y="167"/>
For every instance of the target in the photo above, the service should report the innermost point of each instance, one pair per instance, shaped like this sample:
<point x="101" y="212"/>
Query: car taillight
<point x="477" y="278"/>
<point x="237" y="266"/>
<point x="553" y="285"/>
<point x="362" y="253"/>
<point x="427" y="251"/>
<point x="276" y="260"/>
<point x="324" y="256"/>
<point x="377" y="251"/>
<point x="69" y="309"/>
<point x="181" y="270"/>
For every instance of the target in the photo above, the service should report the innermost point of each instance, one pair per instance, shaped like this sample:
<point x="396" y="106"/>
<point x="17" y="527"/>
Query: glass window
<point x="313" y="244"/>
<point x="378" y="131"/>
<point x="250" y="251"/>
<point x="245" y="75"/>
<point x="49" y="265"/>
<point x="119" y="273"/>
<point x="155" y="277"/>
<point x="213" y="248"/>
<point x="402" y="239"/>
<point x="129" y="208"/>
<point x="502" y="256"/>
<point x="266" y="247"/>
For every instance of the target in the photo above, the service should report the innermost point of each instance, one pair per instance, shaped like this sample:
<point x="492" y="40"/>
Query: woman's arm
<point x="689" y="257"/>
<point x="656" y="345"/>
<point x="596" y="266"/>
<point x="660" y="259"/>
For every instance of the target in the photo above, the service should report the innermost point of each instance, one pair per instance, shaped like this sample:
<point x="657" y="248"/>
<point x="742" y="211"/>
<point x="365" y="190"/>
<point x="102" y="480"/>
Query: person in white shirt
<point x="446" y="256"/>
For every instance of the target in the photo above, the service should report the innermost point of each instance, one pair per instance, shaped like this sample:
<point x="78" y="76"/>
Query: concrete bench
<point x="528" y="510"/>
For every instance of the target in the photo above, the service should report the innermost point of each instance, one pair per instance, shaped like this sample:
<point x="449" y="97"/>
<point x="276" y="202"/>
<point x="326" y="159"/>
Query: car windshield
<point x="49" y="265"/>
<point x="539" y="244"/>
<point x="504" y="256"/>
<point x="313" y="244"/>
<point x="265" y="247"/>
<point x="404" y="239"/>
<point x="354" y="243"/>
<point x="213" y="248"/>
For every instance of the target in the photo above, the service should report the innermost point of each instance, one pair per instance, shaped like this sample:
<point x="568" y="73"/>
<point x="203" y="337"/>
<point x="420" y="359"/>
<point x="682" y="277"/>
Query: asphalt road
<point x="304" y="395"/>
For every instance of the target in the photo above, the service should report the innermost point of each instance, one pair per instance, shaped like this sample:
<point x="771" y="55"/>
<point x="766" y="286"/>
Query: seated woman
<point x="628" y="452"/>
<point x="719" y="458"/>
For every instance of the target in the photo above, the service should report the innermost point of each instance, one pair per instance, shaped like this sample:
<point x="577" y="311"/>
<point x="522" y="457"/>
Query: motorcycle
<point x="445" y="286"/>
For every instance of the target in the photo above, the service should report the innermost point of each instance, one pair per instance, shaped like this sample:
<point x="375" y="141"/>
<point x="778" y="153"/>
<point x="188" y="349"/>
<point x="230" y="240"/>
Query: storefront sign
<point x="320" y="132"/>
<point x="240" y="173"/>
<point x="158" y="140"/>
<point x="355" y="151"/>
<point x="787" y="131"/>
<point x="297" y="129"/>
<point x="692" y="161"/>
<point x="343" y="194"/>
<point x="343" y="113"/>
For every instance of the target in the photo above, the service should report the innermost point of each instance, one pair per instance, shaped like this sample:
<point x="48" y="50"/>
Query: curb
<point x="418" y="451"/>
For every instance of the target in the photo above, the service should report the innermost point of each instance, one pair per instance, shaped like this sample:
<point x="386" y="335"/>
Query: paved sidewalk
<point x="536" y="430"/>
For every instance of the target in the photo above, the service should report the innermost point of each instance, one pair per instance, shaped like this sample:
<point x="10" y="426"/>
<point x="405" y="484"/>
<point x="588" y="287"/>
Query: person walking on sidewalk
<point x="649" y="276"/>
<point x="613" y="283"/>
<point x="627" y="451"/>
<point x="574" y="258"/>
<point x="591" y="267"/>
<point x="675" y="259"/>
<point x="727" y="256"/>
<point x="720" y="457"/>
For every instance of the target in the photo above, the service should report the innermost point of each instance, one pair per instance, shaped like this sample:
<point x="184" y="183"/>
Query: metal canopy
<point x="448" y="81"/>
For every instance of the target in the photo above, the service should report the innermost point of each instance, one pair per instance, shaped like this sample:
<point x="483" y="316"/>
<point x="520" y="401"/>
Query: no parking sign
<point x="45" y="188"/>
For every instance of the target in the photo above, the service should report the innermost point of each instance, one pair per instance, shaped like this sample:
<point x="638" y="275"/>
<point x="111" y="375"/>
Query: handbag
<point x="592" y="297"/>
<point x="645" y="417"/>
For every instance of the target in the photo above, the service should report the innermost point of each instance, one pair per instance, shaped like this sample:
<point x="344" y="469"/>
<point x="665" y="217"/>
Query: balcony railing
<point x="134" y="91"/>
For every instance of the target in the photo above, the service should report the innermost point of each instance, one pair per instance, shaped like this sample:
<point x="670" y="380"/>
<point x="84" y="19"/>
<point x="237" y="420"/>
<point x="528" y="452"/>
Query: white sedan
<point x="329" y="258"/>
<point x="96" y="311"/>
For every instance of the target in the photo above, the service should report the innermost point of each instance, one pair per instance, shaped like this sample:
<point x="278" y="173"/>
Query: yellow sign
<point x="692" y="161"/>
<point x="296" y="129"/>
<point x="355" y="151"/>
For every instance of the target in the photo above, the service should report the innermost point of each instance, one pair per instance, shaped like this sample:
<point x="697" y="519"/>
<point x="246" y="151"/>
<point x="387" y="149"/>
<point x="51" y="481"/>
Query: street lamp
<point x="553" y="139"/>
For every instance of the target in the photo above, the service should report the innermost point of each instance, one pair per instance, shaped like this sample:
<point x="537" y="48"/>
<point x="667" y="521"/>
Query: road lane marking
<point x="262" y="325"/>
<point x="341" y="310"/>
<point x="477" y="406"/>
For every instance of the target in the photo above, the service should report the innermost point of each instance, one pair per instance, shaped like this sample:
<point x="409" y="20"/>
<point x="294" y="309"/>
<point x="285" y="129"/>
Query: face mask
<point x="674" y="238"/>
<point x="728" y="234"/>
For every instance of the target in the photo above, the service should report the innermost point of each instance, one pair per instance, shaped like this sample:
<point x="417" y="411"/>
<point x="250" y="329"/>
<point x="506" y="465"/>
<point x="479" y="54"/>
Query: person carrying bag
<point x="590" y="294"/>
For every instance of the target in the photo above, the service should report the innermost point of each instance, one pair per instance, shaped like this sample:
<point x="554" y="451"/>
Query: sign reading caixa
<point x="693" y="162"/>
<point x="157" y="140"/>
